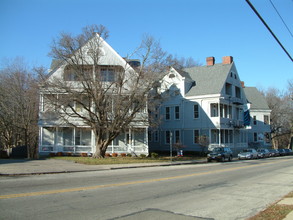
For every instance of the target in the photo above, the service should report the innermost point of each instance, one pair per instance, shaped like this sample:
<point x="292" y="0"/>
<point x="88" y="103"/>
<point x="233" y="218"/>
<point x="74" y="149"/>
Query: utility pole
<point x="171" y="146"/>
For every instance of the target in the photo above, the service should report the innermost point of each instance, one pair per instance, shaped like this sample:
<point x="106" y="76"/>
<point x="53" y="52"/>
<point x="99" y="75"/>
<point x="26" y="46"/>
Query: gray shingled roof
<point x="256" y="99"/>
<point x="208" y="79"/>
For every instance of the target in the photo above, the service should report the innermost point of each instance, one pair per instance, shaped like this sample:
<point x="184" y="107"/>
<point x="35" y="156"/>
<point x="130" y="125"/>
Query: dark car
<point x="220" y="154"/>
<point x="274" y="152"/>
<point x="263" y="153"/>
<point x="282" y="152"/>
<point x="288" y="151"/>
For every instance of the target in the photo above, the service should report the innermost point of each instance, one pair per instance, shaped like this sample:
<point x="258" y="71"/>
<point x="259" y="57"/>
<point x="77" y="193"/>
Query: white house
<point x="202" y="101"/>
<point x="57" y="135"/>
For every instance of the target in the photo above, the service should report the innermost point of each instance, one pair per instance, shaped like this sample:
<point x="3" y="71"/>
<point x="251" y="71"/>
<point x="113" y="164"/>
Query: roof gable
<point x="257" y="100"/>
<point x="108" y="57"/>
<point x="208" y="79"/>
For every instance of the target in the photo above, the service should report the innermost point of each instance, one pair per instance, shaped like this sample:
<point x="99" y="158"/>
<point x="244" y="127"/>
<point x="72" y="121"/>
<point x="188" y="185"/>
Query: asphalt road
<point x="218" y="191"/>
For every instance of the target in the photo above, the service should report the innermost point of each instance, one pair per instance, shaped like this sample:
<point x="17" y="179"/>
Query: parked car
<point x="282" y="152"/>
<point x="220" y="154"/>
<point x="288" y="151"/>
<point x="274" y="152"/>
<point x="263" y="153"/>
<point x="248" y="153"/>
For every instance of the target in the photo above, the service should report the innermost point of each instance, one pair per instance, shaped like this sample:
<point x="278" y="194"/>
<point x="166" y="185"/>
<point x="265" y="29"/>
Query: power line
<point x="272" y="33"/>
<point x="281" y="18"/>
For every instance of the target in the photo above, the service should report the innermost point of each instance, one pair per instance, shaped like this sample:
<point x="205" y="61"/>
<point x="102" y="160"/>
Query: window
<point x="254" y="120"/>
<point x="267" y="137"/>
<point x="48" y="136"/>
<point x="177" y="112"/>
<point x="83" y="137"/>
<point x="237" y="92"/>
<point x="167" y="137"/>
<point x="230" y="112"/>
<point x="177" y="136"/>
<point x="214" y="110"/>
<point x="195" y="111"/>
<point x="167" y="116"/>
<point x="67" y="136"/>
<point x="228" y="88"/>
<point x="266" y="119"/>
<point x="195" y="136"/>
<point x="255" y="137"/>
<point x="107" y="74"/>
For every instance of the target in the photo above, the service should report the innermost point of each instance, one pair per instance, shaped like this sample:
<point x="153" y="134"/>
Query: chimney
<point x="227" y="60"/>
<point x="210" y="61"/>
<point x="242" y="84"/>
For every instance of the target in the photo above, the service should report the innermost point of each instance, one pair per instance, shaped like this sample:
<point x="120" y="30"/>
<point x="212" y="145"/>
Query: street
<point x="219" y="191"/>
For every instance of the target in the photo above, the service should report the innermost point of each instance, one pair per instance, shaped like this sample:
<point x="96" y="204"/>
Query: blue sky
<point x="186" y="28"/>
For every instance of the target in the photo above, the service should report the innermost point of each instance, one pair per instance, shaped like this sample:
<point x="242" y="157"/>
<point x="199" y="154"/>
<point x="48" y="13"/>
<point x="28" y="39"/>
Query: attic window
<point x="171" y="75"/>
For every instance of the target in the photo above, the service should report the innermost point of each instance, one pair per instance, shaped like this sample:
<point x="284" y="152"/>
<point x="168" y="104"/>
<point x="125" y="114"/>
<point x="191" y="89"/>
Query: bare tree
<point x="281" y="116"/>
<point x="181" y="63"/>
<point x="109" y="99"/>
<point x="19" y="107"/>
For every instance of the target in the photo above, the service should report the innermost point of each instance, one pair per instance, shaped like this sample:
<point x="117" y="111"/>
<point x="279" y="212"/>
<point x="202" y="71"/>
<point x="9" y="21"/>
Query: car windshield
<point x="218" y="150"/>
<point x="247" y="150"/>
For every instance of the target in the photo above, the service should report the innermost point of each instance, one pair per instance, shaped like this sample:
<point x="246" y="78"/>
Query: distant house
<point x="56" y="135"/>
<point x="260" y="133"/>
<point x="202" y="101"/>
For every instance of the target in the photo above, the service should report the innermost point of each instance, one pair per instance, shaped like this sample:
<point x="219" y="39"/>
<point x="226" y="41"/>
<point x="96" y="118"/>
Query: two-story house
<point x="201" y="101"/>
<point x="68" y="125"/>
<point x="260" y="133"/>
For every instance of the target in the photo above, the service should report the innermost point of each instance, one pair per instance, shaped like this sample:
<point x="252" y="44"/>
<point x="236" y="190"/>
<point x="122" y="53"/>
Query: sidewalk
<point x="14" y="167"/>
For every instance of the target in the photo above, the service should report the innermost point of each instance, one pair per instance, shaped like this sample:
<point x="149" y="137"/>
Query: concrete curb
<point x="102" y="168"/>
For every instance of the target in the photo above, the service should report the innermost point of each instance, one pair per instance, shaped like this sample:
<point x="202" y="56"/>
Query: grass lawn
<point x="123" y="160"/>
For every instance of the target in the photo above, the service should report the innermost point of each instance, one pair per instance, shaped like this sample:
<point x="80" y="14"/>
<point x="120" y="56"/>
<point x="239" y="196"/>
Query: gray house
<point x="205" y="101"/>
<point x="259" y="134"/>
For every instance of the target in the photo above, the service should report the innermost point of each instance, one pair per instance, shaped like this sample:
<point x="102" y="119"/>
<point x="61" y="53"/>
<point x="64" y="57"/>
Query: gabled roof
<point x="115" y="58"/>
<point x="257" y="100"/>
<point x="208" y="79"/>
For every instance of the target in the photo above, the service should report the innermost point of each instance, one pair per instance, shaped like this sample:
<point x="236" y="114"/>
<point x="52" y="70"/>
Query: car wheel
<point x="223" y="159"/>
<point x="230" y="159"/>
<point x="208" y="160"/>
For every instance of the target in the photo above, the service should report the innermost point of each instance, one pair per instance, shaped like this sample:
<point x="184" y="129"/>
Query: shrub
<point x="129" y="155"/>
<point x="68" y="154"/>
<point x="52" y="154"/>
<point x="123" y="154"/>
<point x="84" y="154"/>
<point x="142" y="156"/>
<point x="107" y="155"/>
<point x="154" y="155"/>
<point x="114" y="155"/>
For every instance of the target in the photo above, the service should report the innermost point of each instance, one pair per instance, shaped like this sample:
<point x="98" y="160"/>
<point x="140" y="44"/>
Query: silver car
<point x="248" y="153"/>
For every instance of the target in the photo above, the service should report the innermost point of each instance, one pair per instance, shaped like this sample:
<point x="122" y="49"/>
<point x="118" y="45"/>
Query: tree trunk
<point x="101" y="148"/>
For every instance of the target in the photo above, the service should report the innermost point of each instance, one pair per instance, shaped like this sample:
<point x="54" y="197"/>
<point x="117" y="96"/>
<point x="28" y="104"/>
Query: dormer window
<point x="171" y="75"/>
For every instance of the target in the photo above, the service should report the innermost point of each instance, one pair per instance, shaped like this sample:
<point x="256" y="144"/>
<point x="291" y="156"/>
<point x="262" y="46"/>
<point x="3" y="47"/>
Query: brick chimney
<point x="227" y="60"/>
<point x="210" y="61"/>
<point x="242" y="84"/>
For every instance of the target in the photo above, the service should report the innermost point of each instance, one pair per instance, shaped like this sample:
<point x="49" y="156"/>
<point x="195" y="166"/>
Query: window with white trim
<point x="195" y="111"/>
<point x="167" y="113"/>
<point x="195" y="136"/>
<point x="177" y="112"/>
